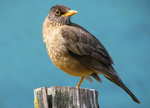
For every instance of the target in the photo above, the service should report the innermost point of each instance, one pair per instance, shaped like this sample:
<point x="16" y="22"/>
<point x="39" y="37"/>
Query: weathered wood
<point x="65" y="97"/>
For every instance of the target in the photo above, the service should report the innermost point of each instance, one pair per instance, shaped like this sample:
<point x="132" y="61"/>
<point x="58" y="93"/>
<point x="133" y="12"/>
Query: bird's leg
<point x="80" y="82"/>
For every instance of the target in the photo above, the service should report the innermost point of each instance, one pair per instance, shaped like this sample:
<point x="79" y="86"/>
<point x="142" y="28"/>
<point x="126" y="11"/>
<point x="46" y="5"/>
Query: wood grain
<point x="65" y="97"/>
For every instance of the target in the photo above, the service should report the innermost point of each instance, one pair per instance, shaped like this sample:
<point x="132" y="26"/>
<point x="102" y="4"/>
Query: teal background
<point x="123" y="26"/>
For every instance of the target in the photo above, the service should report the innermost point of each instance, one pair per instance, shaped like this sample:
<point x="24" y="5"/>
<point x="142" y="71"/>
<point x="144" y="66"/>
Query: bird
<point x="76" y="51"/>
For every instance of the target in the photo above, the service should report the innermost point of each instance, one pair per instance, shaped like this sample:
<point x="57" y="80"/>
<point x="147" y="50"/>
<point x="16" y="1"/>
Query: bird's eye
<point x="58" y="13"/>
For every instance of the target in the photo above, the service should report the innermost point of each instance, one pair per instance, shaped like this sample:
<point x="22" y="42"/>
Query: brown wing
<point x="84" y="46"/>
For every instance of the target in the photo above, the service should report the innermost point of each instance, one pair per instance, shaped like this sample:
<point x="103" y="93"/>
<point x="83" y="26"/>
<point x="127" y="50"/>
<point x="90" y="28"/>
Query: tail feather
<point x="117" y="81"/>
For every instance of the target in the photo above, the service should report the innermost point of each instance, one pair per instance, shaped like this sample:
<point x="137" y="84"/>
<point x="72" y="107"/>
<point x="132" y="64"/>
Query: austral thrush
<point x="76" y="51"/>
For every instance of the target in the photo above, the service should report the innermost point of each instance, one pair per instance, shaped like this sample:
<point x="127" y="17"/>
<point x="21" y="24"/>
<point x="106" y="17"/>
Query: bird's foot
<point x="78" y="86"/>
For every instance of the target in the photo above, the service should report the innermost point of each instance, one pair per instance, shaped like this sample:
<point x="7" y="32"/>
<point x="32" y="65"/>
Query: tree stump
<point x="65" y="97"/>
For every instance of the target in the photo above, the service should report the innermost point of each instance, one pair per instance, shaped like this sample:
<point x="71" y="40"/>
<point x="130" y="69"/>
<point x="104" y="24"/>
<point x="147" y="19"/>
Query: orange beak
<point x="70" y="13"/>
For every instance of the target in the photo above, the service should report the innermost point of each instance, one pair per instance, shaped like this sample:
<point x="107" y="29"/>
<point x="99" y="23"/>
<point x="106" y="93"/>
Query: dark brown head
<point x="61" y="14"/>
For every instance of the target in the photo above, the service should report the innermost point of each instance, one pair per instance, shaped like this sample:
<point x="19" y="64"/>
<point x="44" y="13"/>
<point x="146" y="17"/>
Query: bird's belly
<point x="67" y="63"/>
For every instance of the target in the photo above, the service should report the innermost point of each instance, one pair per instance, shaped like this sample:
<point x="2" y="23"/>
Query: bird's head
<point x="60" y="14"/>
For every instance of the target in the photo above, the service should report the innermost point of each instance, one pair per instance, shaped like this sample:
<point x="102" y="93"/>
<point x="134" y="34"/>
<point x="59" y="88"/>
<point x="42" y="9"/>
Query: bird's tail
<point x="117" y="81"/>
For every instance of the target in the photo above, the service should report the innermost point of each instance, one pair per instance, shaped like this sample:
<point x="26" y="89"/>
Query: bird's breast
<point x="55" y="44"/>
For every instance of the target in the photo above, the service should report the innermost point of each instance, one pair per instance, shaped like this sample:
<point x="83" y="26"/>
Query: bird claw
<point x="78" y="86"/>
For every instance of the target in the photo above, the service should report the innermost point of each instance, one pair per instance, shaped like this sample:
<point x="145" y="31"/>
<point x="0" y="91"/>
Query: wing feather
<point x="80" y="42"/>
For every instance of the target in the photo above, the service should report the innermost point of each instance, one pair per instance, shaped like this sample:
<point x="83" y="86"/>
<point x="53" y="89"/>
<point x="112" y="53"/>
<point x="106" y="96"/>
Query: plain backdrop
<point x="123" y="26"/>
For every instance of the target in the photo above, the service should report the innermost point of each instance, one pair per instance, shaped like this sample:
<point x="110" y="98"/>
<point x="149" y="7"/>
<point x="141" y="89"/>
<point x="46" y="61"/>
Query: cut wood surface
<point x="65" y="97"/>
